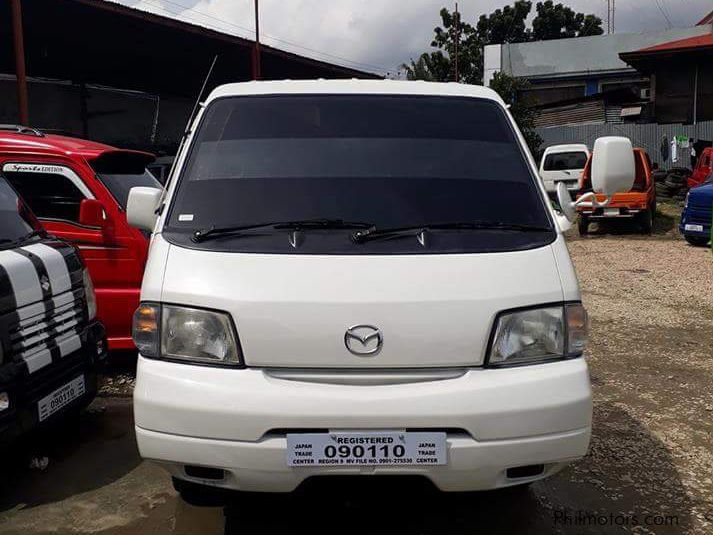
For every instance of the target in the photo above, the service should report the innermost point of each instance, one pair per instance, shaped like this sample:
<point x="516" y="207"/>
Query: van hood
<point x="701" y="195"/>
<point x="294" y="310"/>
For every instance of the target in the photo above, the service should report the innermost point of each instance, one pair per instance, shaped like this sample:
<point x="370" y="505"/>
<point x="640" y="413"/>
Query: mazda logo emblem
<point x="363" y="340"/>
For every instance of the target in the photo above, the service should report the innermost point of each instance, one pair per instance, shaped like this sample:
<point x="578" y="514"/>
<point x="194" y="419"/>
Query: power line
<point x="252" y="31"/>
<point x="663" y="12"/>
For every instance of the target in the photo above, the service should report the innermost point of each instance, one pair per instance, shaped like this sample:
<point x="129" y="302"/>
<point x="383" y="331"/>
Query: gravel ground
<point x="651" y="304"/>
<point x="651" y="458"/>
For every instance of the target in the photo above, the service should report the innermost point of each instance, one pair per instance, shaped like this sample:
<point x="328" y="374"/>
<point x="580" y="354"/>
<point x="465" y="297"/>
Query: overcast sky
<point x="379" y="35"/>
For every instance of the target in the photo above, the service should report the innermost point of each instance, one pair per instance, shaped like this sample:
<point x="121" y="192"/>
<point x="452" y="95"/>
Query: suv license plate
<point x="694" y="228"/>
<point x="371" y="448"/>
<point x="60" y="398"/>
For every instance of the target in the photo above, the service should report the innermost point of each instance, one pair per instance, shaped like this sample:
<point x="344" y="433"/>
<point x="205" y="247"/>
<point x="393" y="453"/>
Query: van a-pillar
<point x="22" y="100"/>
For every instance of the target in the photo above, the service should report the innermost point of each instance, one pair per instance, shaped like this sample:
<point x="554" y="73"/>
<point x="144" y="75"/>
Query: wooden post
<point x="22" y="98"/>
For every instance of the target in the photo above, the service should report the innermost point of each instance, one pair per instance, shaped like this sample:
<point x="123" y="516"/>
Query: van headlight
<point x="89" y="295"/>
<point x="538" y="335"/>
<point x="188" y="334"/>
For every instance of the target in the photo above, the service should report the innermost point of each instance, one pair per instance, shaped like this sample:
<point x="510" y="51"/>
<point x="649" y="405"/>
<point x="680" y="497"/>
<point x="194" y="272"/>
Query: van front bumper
<point x="237" y="420"/>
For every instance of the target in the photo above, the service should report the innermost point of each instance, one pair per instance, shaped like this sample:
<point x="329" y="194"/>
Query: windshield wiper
<point x="305" y="224"/>
<point x="374" y="233"/>
<point x="32" y="234"/>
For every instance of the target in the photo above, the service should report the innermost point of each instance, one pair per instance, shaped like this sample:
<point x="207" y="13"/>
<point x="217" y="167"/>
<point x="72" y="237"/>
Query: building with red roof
<point x="681" y="77"/>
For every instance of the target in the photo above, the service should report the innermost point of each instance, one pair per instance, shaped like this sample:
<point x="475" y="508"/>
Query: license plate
<point x="387" y="448"/>
<point x="694" y="228"/>
<point x="61" y="397"/>
<point x="611" y="212"/>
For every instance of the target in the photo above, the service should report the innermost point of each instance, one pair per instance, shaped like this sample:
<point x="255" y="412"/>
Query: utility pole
<point x="257" y="71"/>
<point x="456" y="18"/>
<point x="611" y="11"/>
<point x="19" y="43"/>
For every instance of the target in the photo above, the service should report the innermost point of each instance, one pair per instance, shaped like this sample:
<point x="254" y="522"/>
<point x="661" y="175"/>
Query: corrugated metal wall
<point x="582" y="112"/>
<point x="647" y="136"/>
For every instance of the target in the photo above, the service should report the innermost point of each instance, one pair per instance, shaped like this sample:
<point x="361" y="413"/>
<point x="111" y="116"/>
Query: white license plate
<point x="694" y="228"/>
<point x="368" y="448"/>
<point x="61" y="397"/>
<point x="611" y="212"/>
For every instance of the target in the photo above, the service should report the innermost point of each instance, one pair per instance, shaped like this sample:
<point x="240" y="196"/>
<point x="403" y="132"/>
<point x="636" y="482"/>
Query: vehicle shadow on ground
<point x="663" y="224"/>
<point x="85" y="452"/>
<point x="627" y="475"/>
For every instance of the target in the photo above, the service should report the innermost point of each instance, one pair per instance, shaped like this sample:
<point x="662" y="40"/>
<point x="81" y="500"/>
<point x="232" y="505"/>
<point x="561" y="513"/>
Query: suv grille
<point x="48" y="326"/>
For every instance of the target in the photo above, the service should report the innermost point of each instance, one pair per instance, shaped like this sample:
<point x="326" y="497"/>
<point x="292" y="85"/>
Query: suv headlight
<point x="539" y="335"/>
<point x="182" y="333"/>
<point x="89" y="295"/>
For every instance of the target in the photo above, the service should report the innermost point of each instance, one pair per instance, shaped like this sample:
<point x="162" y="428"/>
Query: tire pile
<point x="671" y="184"/>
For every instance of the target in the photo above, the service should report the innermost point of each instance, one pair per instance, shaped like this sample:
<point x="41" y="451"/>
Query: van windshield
<point x="565" y="160"/>
<point x="17" y="223"/>
<point x="389" y="161"/>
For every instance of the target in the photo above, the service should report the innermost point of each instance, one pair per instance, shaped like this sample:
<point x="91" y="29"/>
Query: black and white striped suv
<point x="50" y="340"/>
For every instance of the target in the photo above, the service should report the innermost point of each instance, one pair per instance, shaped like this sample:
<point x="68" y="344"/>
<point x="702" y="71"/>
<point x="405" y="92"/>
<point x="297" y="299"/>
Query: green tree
<point x="510" y="90"/>
<point x="557" y="21"/>
<point x="433" y="67"/>
<point x="506" y="25"/>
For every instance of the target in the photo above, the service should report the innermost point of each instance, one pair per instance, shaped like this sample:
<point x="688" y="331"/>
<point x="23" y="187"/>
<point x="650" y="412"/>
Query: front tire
<point x="583" y="225"/>
<point x="697" y="241"/>
<point x="200" y="495"/>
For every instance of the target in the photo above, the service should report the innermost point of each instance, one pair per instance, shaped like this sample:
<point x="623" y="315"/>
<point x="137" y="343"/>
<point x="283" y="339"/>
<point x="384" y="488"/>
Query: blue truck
<point x="697" y="214"/>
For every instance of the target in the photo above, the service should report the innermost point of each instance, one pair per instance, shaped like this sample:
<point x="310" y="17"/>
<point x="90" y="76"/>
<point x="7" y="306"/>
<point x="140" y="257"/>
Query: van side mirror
<point x="141" y="207"/>
<point x="91" y="213"/>
<point x="613" y="170"/>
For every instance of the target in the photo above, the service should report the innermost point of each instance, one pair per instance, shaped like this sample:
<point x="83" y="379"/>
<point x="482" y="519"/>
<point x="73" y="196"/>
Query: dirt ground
<point x="649" y="470"/>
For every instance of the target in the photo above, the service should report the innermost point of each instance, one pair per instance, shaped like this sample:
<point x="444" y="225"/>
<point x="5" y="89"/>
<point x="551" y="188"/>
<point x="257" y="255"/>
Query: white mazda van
<point x="357" y="278"/>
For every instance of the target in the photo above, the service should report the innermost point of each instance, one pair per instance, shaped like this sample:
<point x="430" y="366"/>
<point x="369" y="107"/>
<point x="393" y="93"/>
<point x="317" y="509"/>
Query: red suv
<point x="78" y="189"/>
<point x="703" y="169"/>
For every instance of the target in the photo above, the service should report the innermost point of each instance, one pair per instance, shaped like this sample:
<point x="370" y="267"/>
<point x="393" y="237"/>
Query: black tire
<point x="583" y="225"/>
<point x="697" y="241"/>
<point x="646" y="221"/>
<point x="200" y="495"/>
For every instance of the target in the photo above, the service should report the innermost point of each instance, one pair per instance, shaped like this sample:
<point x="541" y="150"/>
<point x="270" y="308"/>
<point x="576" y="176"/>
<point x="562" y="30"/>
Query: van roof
<point x="573" y="147"/>
<point x="354" y="86"/>
<point x="53" y="145"/>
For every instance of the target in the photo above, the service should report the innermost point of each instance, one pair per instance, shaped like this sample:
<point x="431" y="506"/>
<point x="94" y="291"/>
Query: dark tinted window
<point x="390" y="161"/>
<point x="565" y="160"/>
<point x="120" y="184"/>
<point x="15" y="218"/>
<point x="49" y="195"/>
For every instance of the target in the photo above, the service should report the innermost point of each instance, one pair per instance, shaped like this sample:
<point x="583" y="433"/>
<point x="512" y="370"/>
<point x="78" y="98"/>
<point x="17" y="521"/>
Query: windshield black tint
<point x="565" y="160"/>
<point x="120" y="184"/>
<point x="16" y="220"/>
<point x="388" y="160"/>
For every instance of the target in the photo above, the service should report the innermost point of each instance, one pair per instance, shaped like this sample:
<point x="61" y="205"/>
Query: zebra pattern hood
<point x="41" y="302"/>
